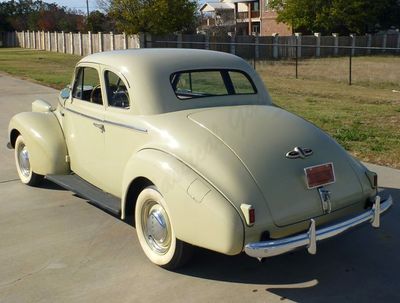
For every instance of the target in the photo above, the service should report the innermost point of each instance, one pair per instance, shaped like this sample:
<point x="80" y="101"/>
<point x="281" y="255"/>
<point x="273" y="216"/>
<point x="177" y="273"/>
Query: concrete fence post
<point x="48" y="41"/>
<point x="64" y="48"/>
<point x="398" y="42"/>
<point x="124" y="40"/>
<point x="298" y="41"/>
<point x="23" y="39"/>
<point x="149" y="43"/>
<point x="38" y="40"/>
<point x="80" y="45"/>
<point x="34" y="40"/>
<point x="257" y="47"/>
<point x="56" y="41"/>
<point x="90" y="46"/>
<point x="336" y="44"/>
<point x="353" y="44"/>
<point x="71" y="42"/>
<point x="369" y="43"/>
<point x="28" y="34"/>
<point x="100" y="35"/>
<point x="179" y="41"/>
<point x="384" y="43"/>
<point x="136" y="41"/>
<point x="43" y="40"/>
<point x="232" y="44"/>
<point x="112" y="41"/>
<point x="15" y="39"/>
<point x="318" y="44"/>
<point x="207" y="42"/>
<point x="275" y="47"/>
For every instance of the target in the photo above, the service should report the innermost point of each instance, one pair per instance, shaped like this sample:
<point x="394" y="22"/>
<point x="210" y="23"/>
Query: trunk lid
<point x="260" y="136"/>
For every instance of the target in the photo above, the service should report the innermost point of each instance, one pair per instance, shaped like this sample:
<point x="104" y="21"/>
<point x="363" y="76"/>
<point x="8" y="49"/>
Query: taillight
<point x="373" y="178"/>
<point x="249" y="214"/>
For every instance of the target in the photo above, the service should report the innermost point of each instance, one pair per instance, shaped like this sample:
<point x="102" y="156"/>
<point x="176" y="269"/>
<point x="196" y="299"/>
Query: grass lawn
<point x="364" y="118"/>
<point x="48" y="68"/>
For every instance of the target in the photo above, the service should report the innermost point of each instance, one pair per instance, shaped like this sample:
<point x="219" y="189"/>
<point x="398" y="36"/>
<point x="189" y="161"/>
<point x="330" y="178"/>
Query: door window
<point x="87" y="86"/>
<point x="117" y="93"/>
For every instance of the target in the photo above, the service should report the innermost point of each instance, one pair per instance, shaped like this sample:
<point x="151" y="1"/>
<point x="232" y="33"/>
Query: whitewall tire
<point x="23" y="163"/>
<point x="155" y="231"/>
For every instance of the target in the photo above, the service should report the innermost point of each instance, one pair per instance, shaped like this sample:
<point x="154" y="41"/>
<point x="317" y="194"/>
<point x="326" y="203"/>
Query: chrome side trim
<point x="136" y="128"/>
<point x="309" y="239"/>
<point x="84" y="115"/>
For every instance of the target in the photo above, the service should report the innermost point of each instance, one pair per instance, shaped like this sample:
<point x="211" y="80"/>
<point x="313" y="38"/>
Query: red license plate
<point x="320" y="175"/>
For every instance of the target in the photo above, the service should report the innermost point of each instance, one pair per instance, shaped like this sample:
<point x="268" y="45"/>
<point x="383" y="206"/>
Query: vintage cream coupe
<point x="190" y="145"/>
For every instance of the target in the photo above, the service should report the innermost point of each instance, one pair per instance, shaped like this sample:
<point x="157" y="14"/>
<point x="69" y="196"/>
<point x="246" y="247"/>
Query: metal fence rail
<point x="295" y="52"/>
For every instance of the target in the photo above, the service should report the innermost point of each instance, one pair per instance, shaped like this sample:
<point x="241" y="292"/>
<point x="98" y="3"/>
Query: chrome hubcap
<point x="156" y="227"/>
<point x="23" y="161"/>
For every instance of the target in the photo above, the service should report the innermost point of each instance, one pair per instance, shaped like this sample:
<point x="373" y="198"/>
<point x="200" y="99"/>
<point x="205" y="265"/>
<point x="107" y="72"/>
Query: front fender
<point x="45" y="140"/>
<point x="200" y="215"/>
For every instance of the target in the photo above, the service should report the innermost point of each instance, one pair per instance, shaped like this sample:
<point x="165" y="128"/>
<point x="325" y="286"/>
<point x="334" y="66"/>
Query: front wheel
<point x="23" y="163"/>
<point x="155" y="231"/>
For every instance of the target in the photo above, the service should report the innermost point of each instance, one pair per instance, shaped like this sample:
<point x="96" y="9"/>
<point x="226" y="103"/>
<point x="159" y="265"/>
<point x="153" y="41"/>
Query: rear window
<point x="210" y="83"/>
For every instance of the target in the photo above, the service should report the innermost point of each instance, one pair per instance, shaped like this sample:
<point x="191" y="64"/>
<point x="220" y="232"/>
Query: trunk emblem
<point x="299" y="152"/>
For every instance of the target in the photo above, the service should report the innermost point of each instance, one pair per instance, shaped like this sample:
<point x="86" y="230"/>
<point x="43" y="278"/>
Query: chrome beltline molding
<point x="309" y="239"/>
<point x="136" y="128"/>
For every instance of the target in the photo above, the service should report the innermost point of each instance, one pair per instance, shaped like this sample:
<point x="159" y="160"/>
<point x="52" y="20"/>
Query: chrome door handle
<point x="99" y="126"/>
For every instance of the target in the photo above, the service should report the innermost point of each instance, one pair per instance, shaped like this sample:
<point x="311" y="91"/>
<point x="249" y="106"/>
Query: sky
<point x="76" y="4"/>
<point x="73" y="4"/>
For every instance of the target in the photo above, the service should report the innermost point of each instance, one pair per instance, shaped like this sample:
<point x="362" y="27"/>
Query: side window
<point x="87" y="86"/>
<point x="117" y="93"/>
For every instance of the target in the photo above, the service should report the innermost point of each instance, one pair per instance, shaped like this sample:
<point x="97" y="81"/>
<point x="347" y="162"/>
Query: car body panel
<point x="220" y="224"/>
<point x="282" y="180"/>
<point x="42" y="133"/>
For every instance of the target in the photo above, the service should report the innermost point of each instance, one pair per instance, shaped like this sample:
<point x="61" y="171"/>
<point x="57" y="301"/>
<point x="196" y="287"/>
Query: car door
<point x="84" y="125"/>
<point x="125" y="132"/>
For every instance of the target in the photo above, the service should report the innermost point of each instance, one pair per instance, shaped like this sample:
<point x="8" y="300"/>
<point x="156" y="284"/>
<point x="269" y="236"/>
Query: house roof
<point x="212" y="7"/>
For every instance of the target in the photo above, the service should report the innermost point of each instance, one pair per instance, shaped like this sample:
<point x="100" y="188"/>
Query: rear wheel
<point x="155" y="231"/>
<point x="23" y="163"/>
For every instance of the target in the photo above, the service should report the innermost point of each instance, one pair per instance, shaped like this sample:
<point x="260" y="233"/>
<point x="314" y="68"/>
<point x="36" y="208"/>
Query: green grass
<point x="48" y="68"/>
<point x="364" y="118"/>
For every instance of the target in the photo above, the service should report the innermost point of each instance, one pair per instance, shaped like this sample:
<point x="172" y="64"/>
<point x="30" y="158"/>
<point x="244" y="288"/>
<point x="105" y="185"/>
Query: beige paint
<point x="207" y="156"/>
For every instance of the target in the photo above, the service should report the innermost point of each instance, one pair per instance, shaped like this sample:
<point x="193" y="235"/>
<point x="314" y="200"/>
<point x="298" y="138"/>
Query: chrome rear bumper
<point x="309" y="239"/>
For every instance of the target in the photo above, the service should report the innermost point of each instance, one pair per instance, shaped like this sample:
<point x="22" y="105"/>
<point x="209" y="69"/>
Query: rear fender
<point x="45" y="140"/>
<point x="200" y="215"/>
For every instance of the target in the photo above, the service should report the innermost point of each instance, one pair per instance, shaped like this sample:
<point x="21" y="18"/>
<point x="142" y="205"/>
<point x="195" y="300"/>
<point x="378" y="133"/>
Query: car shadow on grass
<point x="361" y="265"/>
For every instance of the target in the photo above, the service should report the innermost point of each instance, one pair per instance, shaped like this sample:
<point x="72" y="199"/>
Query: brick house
<point x="243" y="17"/>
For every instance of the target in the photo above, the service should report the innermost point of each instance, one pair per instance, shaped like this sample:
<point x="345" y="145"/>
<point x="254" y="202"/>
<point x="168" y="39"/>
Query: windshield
<point x="209" y="83"/>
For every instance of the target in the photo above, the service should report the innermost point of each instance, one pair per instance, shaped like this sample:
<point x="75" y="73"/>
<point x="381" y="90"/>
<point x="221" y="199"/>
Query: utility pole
<point x="87" y="11"/>
<point x="87" y="8"/>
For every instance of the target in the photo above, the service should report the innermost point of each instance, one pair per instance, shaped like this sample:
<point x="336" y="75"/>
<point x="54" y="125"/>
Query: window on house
<point x="267" y="6"/>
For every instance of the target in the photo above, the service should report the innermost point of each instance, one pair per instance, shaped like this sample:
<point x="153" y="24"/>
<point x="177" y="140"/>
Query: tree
<point x="342" y="16"/>
<point x="153" y="16"/>
<point x="99" y="22"/>
<point x="38" y="15"/>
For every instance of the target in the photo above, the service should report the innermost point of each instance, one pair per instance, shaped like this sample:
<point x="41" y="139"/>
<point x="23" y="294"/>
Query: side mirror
<point x="65" y="93"/>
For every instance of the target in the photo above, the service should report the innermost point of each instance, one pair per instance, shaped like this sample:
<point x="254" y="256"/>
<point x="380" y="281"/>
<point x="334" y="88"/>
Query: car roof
<point x="166" y="58"/>
<point x="148" y="73"/>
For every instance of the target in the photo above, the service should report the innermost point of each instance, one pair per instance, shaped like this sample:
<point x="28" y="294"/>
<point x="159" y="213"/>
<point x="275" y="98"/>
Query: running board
<point x="87" y="191"/>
